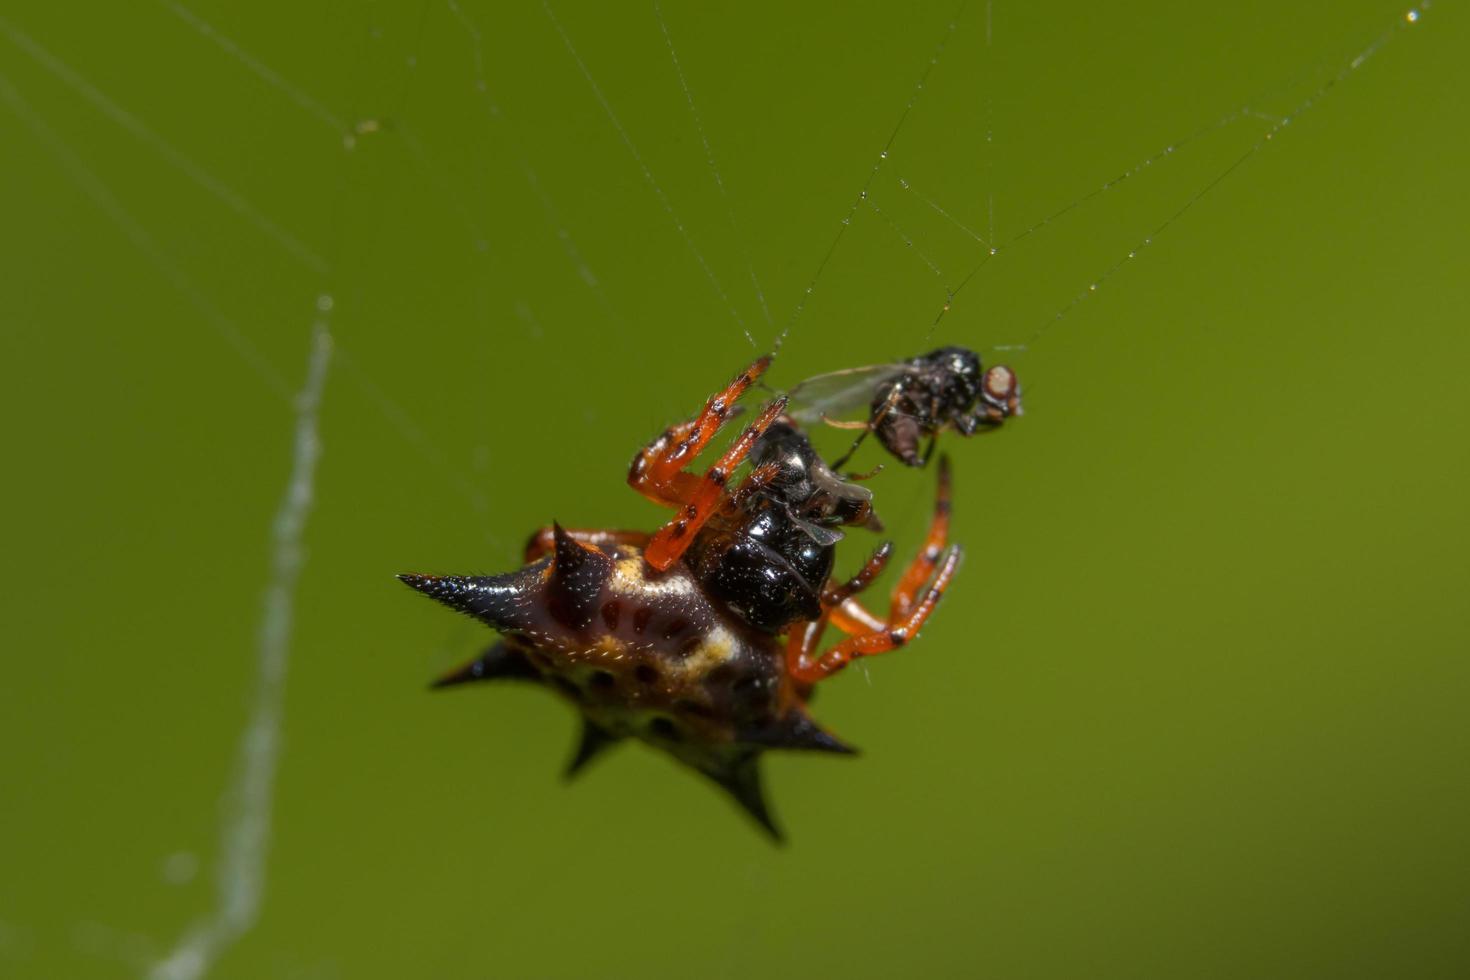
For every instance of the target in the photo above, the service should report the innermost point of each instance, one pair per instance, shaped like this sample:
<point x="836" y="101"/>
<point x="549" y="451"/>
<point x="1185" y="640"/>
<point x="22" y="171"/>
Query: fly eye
<point x="1000" y="383"/>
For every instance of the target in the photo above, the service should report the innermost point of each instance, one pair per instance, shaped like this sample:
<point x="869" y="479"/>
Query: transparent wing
<point x="839" y="394"/>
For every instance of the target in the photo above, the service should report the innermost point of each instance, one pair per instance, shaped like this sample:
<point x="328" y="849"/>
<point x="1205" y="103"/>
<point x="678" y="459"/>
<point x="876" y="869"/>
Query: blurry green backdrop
<point x="1194" y="706"/>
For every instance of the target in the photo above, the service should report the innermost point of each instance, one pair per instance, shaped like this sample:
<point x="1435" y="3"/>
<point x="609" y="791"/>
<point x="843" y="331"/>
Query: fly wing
<point x="839" y="394"/>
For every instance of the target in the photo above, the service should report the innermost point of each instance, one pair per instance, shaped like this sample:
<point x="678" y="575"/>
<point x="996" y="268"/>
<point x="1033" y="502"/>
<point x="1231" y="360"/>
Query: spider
<point x="913" y="400"/>
<point x="702" y="639"/>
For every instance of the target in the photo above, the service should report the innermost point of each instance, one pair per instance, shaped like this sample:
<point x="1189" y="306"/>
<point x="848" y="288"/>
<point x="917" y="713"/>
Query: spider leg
<point x="758" y="478"/>
<point x="656" y="472"/>
<point x="853" y="618"/>
<point x="804" y="637"/>
<point x="905" y="593"/>
<point x="670" y="541"/>
<point x="806" y="670"/>
<point x="802" y="641"/>
<point x="908" y="609"/>
<point x="543" y="542"/>
<point x="836" y="596"/>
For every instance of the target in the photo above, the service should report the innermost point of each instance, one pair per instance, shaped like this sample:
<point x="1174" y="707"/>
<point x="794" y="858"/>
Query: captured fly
<point x="911" y="402"/>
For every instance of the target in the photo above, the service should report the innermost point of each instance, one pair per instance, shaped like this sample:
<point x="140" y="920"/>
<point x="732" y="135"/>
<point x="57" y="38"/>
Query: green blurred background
<point x="1195" y="706"/>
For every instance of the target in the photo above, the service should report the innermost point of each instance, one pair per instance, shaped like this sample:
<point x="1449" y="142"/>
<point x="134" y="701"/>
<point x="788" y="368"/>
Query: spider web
<point x="950" y="246"/>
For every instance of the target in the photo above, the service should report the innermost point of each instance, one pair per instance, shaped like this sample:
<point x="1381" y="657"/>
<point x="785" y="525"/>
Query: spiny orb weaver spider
<point x="676" y="638"/>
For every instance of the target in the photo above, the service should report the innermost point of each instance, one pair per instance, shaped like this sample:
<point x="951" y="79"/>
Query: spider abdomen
<point x="642" y="653"/>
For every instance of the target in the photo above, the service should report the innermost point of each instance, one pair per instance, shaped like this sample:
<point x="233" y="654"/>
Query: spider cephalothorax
<point x="701" y="638"/>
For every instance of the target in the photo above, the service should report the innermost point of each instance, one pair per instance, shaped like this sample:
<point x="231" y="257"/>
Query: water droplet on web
<point x="883" y="155"/>
<point x="863" y="196"/>
<point x="1412" y="16"/>
<point x="324" y="302"/>
<point x="994" y="250"/>
<point x="1092" y="288"/>
<point x="903" y="183"/>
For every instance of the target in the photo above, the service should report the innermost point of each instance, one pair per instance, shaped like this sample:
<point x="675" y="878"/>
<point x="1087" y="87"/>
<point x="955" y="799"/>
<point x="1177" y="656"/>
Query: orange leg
<point x="806" y="670"/>
<point x="908" y="608"/>
<point x="543" y="542"/>
<point x="804" y="637"/>
<point x="906" y="592"/>
<point x="853" y="618"/>
<point x="671" y="540"/>
<point x="802" y="640"/>
<point x="656" y="470"/>
<point x="871" y="569"/>
<point x="758" y="478"/>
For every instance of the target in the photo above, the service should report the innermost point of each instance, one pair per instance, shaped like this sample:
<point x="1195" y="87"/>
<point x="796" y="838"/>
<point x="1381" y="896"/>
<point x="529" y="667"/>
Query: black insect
<point x="912" y="401"/>
<point x="769" y="562"/>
